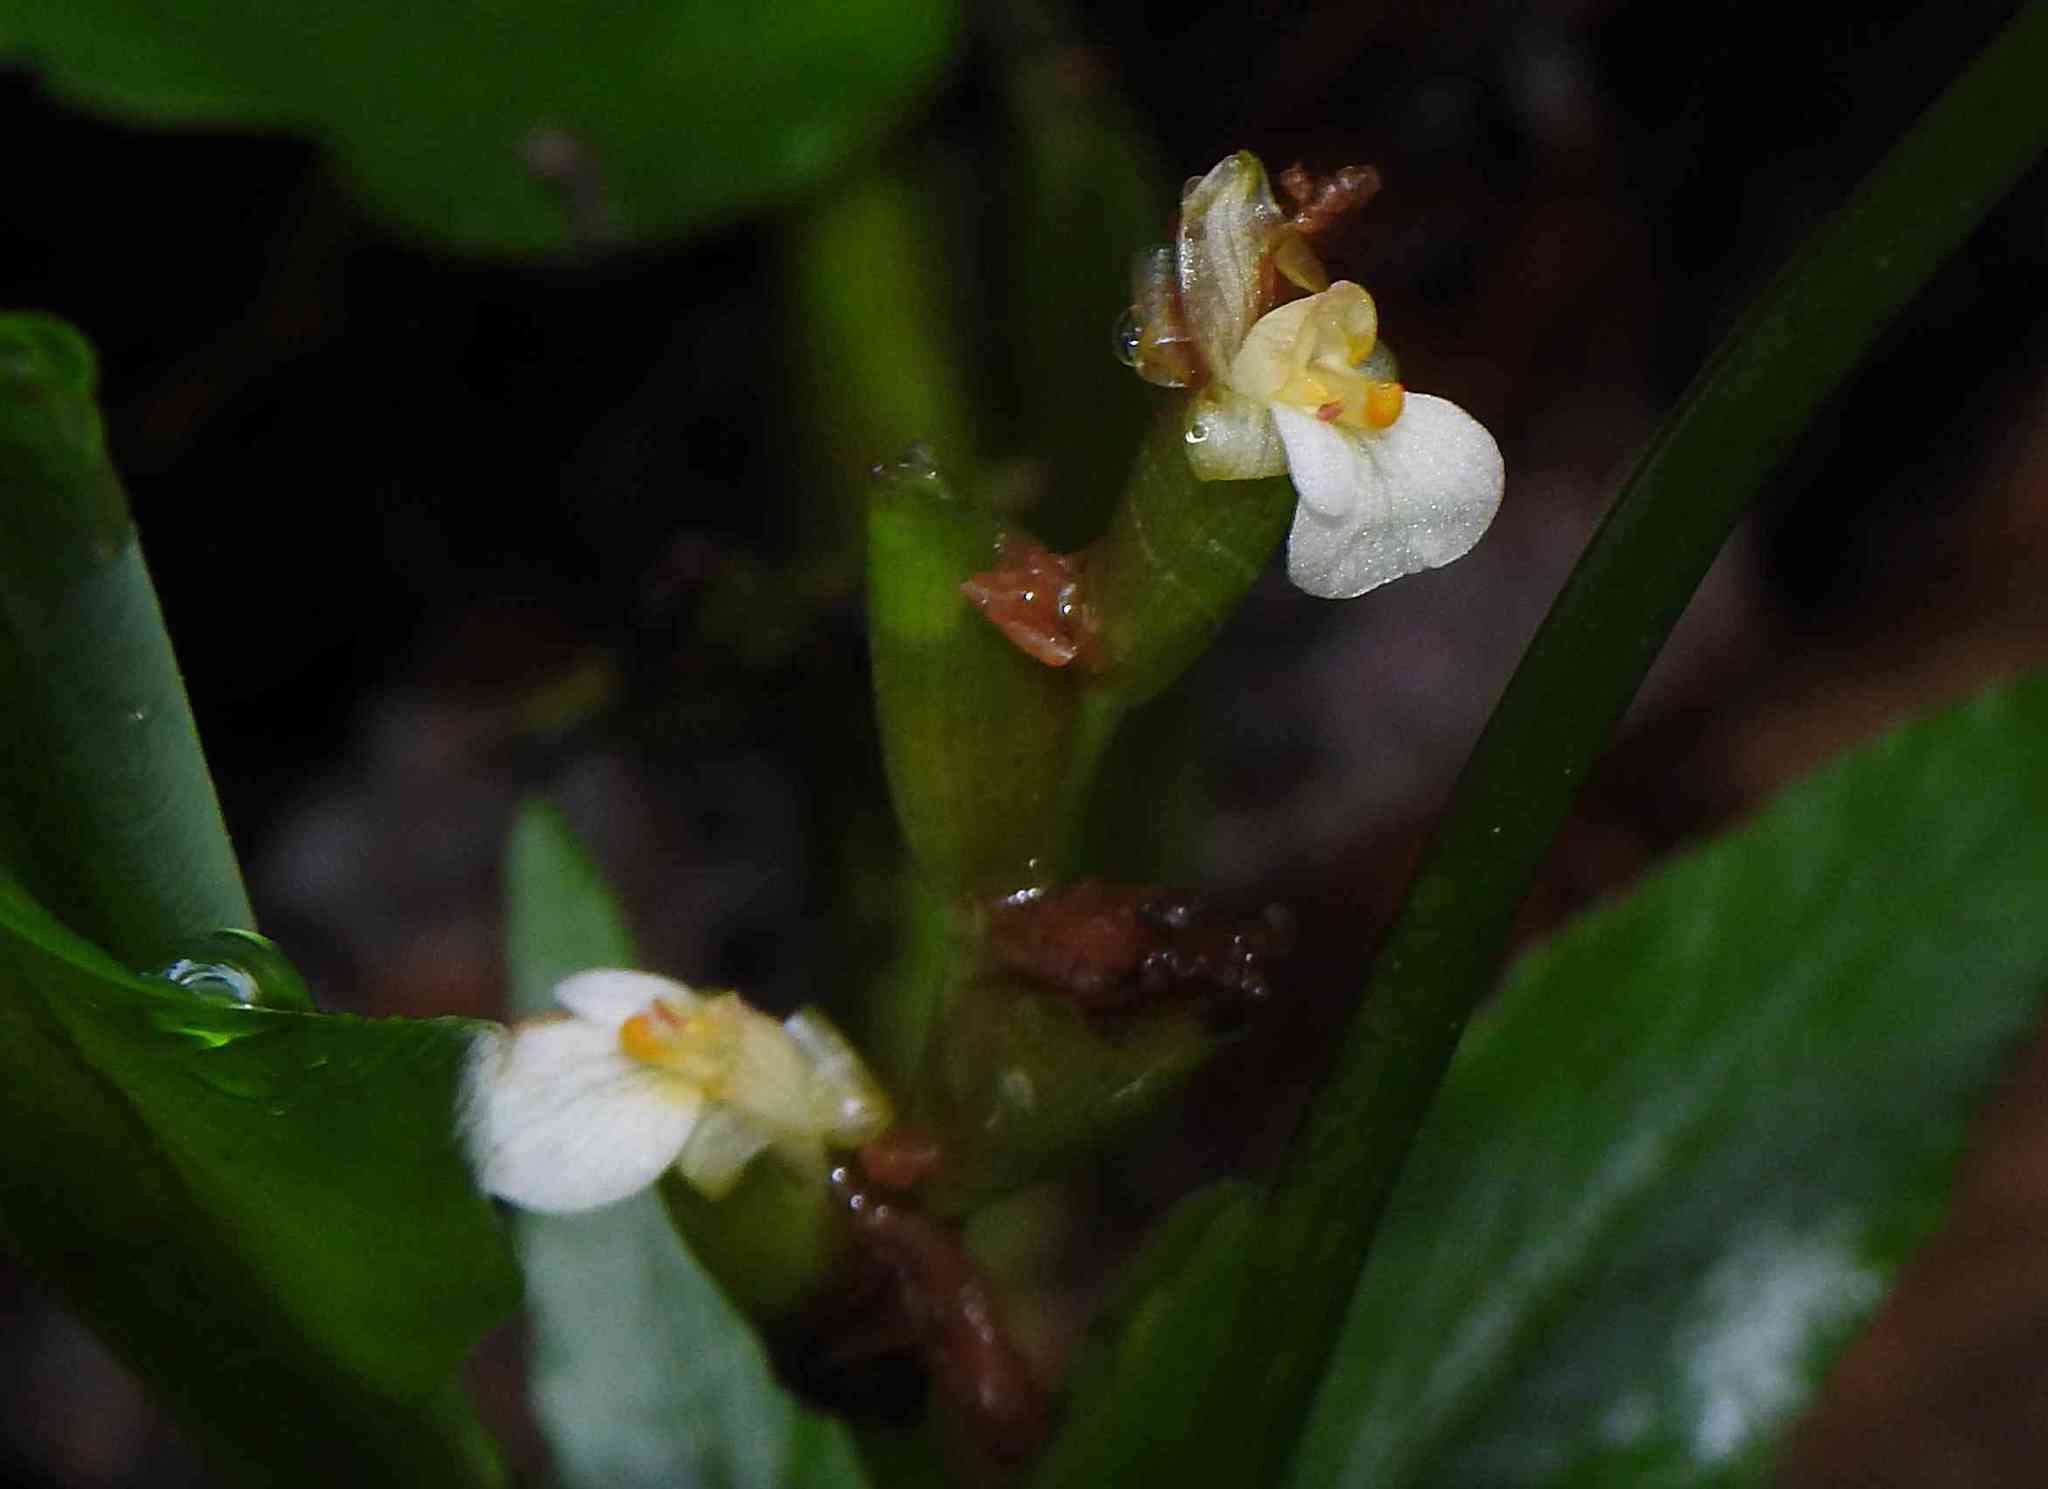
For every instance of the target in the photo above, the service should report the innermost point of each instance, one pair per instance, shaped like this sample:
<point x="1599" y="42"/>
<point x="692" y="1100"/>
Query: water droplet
<point x="1197" y="432"/>
<point x="238" y="968"/>
<point x="1127" y="337"/>
<point x="137" y="715"/>
<point x="1018" y="1091"/>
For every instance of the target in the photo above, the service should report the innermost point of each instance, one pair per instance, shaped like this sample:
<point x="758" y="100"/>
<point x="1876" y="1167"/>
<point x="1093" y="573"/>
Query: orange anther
<point x="1383" y="404"/>
<point x="639" y="1037"/>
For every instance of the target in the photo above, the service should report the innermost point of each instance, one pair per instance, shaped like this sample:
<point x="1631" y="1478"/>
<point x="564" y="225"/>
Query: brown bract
<point x="1321" y="204"/>
<point x="901" y="1158"/>
<point x="1111" y="946"/>
<point x="1033" y="596"/>
<point x="938" y="1300"/>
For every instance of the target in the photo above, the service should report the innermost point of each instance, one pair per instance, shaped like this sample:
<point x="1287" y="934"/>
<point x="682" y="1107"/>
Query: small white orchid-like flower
<point x="1390" y="482"/>
<point x="571" y="1111"/>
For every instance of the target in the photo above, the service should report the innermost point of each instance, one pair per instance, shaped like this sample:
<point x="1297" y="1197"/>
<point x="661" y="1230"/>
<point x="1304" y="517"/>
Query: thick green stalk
<point x="1178" y="558"/>
<point x="977" y="737"/>
<point x="1813" y="323"/>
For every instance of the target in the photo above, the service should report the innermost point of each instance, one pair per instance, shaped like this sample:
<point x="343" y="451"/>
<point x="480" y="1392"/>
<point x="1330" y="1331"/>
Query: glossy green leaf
<point x="103" y="769"/>
<point x="1811" y="325"/>
<point x="525" y="127"/>
<point x="643" y="1372"/>
<point x="1678" y="1161"/>
<point x="263" y="1212"/>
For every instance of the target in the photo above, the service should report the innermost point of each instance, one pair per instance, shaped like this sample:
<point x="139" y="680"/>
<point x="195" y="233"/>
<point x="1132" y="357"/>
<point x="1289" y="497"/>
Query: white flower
<point x="571" y="1111"/>
<point x="1390" y="482"/>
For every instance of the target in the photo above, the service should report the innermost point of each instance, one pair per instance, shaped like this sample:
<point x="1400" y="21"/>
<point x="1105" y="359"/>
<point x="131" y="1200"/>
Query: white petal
<point x="557" y="1118"/>
<point x="1379" y="504"/>
<point x="608" y="996"/>
<point x="1231" y="438"/>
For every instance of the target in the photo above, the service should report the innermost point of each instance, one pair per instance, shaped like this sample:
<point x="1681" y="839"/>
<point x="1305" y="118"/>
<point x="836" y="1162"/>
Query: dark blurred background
<point x="431" y="533"/>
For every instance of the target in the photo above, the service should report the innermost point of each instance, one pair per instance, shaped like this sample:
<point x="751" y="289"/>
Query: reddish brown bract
<point x="1033" y="596"/>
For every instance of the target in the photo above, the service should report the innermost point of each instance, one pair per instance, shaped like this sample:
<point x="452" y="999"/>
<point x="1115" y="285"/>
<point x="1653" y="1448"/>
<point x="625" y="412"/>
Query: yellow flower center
<point x="707" y="1045"/>
<point x="1307" y="353"/>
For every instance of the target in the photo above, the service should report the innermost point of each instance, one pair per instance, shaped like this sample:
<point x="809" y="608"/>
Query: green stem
<point x="1176" y="562"/>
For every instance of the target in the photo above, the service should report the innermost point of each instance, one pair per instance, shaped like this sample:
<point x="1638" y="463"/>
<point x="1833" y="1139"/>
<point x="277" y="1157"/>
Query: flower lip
<point x="1379" y="504"/>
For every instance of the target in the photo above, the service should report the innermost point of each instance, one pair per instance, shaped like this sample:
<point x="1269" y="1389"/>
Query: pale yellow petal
<point x="723" y="1143"/>
<point x="850" y="1105"/>
<point x="1230" y="438"/>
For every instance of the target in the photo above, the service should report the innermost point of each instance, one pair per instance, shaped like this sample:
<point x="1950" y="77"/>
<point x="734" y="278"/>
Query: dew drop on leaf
<point x="239" y="968"/>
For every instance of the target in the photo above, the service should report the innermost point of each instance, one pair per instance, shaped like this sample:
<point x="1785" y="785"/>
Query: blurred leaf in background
<point x="528" y="128"/>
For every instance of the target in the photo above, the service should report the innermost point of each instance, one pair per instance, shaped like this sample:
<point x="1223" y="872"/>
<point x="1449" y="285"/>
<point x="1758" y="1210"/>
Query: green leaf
<point x="1676" y="1164"/>
<point x="103" y="769"/>
<point x="1812" y="324"/>
<point x="522" y="127"/>
<point x="263" y="1212"/>
<point x="643" y="1372"/>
